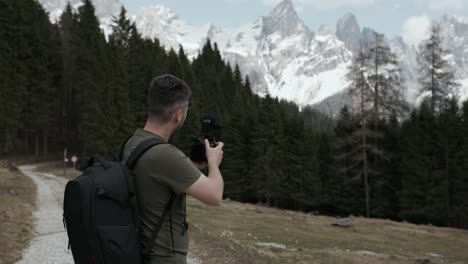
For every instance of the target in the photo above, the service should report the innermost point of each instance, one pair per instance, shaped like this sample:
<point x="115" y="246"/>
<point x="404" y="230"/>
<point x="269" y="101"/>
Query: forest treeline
<point x="65" y="85"/>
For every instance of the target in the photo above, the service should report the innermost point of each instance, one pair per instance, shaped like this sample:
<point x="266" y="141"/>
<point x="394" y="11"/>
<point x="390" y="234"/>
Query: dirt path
<point x="50" y="241"/>
<point x="49" y="244"/>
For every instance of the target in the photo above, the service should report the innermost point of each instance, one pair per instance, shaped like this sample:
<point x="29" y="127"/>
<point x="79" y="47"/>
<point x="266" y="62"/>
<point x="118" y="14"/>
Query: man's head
<point x="168" y="99"/>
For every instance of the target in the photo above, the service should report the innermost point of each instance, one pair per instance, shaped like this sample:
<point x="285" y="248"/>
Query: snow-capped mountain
<point x="161" y="22"/>
<point x="281" y="55"/>
<point x="349" y="31"/>
<point x="455" y="35"/>
<point x="105" y="10"/>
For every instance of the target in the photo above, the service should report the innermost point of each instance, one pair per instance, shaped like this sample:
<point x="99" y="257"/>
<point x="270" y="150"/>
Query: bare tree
<point x="435" y="75"/>
<point x="385" y="78"/>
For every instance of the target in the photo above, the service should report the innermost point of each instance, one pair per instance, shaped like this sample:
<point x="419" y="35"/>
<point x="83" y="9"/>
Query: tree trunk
<point x="366" y="178"/>
<point x="45" y="144"/>
<point x="376" y="87"/>
<point x="364" y="152"/>
<point x="5" y="140"/>
<point x="36" y="152"/>
<point x="433" y="88"/>
<point x="447" y="175"/>
<point x="26" y="142"/>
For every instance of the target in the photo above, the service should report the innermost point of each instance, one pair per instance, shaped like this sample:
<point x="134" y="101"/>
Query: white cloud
<point x="440" y="5"/>
<point x="415" y="29"/>
<point x="325" y="4"/>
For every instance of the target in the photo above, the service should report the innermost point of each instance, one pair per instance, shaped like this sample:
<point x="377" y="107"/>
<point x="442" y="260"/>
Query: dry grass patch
<point x="57" y="169"/>
<point x="17" y="203"/>
<point x="246" y="233"/>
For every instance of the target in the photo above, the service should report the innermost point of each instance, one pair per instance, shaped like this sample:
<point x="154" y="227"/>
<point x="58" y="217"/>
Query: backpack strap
<point x="136" y="154"/>
<point x="130" y="163"/>
<point x="152" y="240"/>
<point x="119" y="155"/>
<point x="140" y="149"/>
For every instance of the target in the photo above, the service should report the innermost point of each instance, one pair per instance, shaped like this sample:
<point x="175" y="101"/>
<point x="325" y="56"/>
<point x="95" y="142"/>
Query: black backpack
<point x="100" y="212"/>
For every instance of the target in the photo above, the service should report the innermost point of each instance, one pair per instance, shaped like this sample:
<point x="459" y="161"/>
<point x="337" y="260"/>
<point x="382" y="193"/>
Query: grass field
<point x="17" y="203"/>
<point x="247" y="233"/>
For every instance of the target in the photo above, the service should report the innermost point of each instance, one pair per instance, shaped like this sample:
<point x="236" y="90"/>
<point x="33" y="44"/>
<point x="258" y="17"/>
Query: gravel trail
<point x="50" y="241"/>
<point x="49" y="245"/>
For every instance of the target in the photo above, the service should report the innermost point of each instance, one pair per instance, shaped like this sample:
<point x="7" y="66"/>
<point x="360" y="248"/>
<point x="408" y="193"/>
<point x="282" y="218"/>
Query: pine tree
<point x="41" y="92"/>
<point x="268" y="152"/>
<point x="385" y="79"/>
<point x="192" y="124"/>
<point x="461" y="186"/>
<point x="13" y="78"/>
<point x="173" y="64"/>
<point x="419" y="161"/>
<point x="68" y="45"/>
<point x="363" y="95"/>
<point x="233" y="167"/>
<point x="140" y="53"/>
<point x="91" y="83"/>
<point x="346" y="184"/>
<point x="385" y="189"/>
<point x="123" y="121"/>
<point x="296" y="174"/>
<point x="359" y="88"/>
<point x="435" y="75"/>
<point x="376" y="83"/>
<point x="449" y="175"/>
<point x="121" y="32"/>
<point x="248" y="134"/>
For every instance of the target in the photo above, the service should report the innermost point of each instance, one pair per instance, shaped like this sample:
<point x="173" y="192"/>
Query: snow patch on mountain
<point x="464" y="89"/>
<point x="104" y="8"/>
<point x="162" y="23"/>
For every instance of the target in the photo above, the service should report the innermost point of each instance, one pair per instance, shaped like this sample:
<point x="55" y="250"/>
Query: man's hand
<point x="214" y="155"/>
<point x="210" y="189"/>
<point x="201" y="165"/>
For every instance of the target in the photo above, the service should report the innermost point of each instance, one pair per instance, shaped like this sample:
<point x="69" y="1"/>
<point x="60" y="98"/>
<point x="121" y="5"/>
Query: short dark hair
<point x="166" y="93"/>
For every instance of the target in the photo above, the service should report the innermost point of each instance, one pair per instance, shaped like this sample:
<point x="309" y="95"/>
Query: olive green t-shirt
<point x="159" y="171"/>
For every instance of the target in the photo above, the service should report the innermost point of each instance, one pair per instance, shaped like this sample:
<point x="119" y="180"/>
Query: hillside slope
<point x="245" y="233"/>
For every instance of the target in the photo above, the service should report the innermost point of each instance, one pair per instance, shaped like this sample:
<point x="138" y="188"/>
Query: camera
<point x="209" y="127"/>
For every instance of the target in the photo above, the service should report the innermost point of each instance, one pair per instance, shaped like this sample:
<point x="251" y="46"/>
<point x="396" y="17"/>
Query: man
<point x="165" y="169"/>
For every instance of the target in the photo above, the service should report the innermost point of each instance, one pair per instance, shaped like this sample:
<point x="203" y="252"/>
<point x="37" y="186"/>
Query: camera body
<point x="209" y="127"/>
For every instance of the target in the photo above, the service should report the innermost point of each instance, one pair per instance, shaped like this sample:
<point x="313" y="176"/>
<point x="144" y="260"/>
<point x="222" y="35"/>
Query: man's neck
<point x="163" y="131"/>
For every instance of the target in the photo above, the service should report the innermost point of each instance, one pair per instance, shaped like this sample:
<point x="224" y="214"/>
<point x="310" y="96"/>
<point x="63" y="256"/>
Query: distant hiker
<point x="164" y="171"/>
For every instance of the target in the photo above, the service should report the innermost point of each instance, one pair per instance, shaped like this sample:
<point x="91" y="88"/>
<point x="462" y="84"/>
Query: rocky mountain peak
<point x="283" y="19"/>
<point x="324" y="30"/>
<point x="284" y="10"/>
<point x="349" y="31"/>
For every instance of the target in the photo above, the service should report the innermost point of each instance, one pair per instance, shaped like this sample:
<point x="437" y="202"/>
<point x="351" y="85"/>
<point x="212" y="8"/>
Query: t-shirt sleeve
<point x="176" y="169"/>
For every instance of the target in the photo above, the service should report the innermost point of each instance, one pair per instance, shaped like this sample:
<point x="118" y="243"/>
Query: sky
<point x="408" y="18"/>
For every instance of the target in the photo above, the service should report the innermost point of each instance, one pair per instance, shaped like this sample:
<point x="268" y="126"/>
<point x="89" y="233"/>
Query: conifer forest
<point x="67" y="85"/>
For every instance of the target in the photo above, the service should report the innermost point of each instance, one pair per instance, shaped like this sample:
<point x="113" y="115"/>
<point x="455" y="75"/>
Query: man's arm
<point x="209" y="190"/>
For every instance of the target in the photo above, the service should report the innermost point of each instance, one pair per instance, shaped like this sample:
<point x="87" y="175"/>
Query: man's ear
<point x="179" y="114"/>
